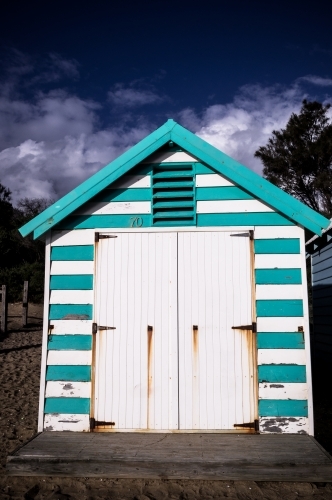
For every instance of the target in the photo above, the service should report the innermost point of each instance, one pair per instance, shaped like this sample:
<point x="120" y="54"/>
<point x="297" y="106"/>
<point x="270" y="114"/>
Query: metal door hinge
<point x="249" y="425"/>
<point x="96" y="423"/>
<point x="241" y="235"/>
<point x="249" y="234"/>
<point x="95" y="327"/>
<point x="99" y="236"/>
<point x="252" y="327"/>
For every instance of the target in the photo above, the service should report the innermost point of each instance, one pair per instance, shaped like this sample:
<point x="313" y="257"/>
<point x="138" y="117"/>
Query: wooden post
<point x="25" y="303"/>
<point x="4" y="309"/>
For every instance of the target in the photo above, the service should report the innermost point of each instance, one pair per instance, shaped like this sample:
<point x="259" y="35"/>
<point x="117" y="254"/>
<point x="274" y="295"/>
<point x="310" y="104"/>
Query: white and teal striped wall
<point x="284" y="377"/>
<point x="68" y="335"/>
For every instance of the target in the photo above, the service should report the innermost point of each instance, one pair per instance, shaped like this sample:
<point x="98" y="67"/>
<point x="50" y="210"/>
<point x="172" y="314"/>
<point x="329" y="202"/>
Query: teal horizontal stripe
<point x="282" y="340"/>
<point x="124" y="194"/>
<point x="71" y="282"/>
<point x="278" y="276"/>
<point x="113" y="221"/>
<point x="279" y="245"/>
<point x="69" y="342"/>
<point x="203" y="169"/>
<point x="282" y="373"/>
<point x="140" y="170"/>
<point x="288" y="308"/>
<point x="283" y="408"/>
<point x="222" y="193"/>
<point x="70" y="373"/>
<point x="172" y="223"/>
<point x="79" y="252"/>
<point x="174" y="173"/>
<point x="67" y="405"/>
<point x="243" y="219"/>
<point x="105" y="221"/>
<point x="70" y="311"/>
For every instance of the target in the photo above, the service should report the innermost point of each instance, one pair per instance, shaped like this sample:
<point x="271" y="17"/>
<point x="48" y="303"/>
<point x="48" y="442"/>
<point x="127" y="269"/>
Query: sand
<point x="20" y="352"/>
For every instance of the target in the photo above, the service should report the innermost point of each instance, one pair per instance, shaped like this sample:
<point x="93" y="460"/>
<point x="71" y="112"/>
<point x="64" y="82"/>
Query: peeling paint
<point x="49" y="428"/>
<point x="150" y="373"/>
<point x="69" y="421"/>
<point x="68" y="387"/>
<point x="276" y="386"/>
<point x="76" y="316"/>
<point x="279" y="425"/>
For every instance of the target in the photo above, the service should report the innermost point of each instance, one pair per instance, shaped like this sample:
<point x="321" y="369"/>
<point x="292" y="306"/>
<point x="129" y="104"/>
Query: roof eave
<point x="92" y="186"/>
<point x="249" y="180"/>
<point x="225" y="165"/>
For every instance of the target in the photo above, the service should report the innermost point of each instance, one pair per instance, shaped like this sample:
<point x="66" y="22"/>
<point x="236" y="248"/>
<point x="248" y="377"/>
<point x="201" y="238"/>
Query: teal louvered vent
<point x="173" y="195"/>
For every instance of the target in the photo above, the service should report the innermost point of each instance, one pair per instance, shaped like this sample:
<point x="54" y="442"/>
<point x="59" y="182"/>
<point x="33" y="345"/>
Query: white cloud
<point x="68" y="67"/>
<point x="49" y="144"/>
<point x="52" y="168"/>
<point x="131" y="97"/>
<point x="51" y="117"/>
<point x="240" y="127"/>
<point x="316" y="80"/>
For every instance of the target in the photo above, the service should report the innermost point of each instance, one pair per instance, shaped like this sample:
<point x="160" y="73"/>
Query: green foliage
<point x="298" y="158"/>
<point x="14" y="277"/>
<point x="21" y="259"/>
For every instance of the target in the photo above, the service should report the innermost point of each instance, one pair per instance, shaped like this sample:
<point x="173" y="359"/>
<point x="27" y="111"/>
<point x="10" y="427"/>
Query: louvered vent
<point x="173" y="195"/>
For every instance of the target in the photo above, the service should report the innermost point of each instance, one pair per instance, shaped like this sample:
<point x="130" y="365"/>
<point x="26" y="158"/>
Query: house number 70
<point x="136" y="221"/>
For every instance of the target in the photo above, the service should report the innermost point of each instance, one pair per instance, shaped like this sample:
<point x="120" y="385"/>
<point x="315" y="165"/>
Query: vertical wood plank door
<point x="136" y="368"/>
<point x="216" y="372"/>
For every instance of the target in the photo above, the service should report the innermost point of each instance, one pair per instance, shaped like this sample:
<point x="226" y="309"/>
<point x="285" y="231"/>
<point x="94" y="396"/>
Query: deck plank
<point x="173" y="456"/>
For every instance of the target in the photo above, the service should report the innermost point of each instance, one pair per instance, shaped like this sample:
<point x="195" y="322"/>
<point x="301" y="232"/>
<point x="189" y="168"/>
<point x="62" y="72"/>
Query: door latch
<point x="95" y="327"/>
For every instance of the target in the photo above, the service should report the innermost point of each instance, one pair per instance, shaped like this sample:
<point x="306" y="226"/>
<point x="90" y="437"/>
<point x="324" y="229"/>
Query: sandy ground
<point x="19" y="390"/>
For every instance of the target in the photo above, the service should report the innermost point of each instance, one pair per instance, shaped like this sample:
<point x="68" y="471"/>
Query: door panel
<point x="215" y="361"/>
<point x="136" y="383"/>
<point x="174" y="376"/>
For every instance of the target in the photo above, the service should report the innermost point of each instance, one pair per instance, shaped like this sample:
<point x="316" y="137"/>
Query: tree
<point x="21" y="258"/>
<point x="298" y="158"/>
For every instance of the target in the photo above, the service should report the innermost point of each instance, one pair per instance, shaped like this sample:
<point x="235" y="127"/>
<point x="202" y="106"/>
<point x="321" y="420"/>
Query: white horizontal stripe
<point x="69" y="357"/>
<point x="72" y="327"/>
<point x="169" y="157"/>
<point x="279" y="324"/>
<point x="68" y="389"/>
<point x="73" y="237"/>
<point x="178" y="229"/>
<point x="72" y="267"/>
<point x="281" y="356"/>
<point x="231" y="206"/>
<point x="270" y="292"/>
<point x="273" y="232"/>
<point x="115" y="207"/>
<point x="71" y="297"/>
<point x="66" y="422"/>
<point x="283" y="391"/>
<point x="273" y="261"/>
<point x="293" y="425"/>
<point x="211" y="180"/>
<point x="132" y="181"/>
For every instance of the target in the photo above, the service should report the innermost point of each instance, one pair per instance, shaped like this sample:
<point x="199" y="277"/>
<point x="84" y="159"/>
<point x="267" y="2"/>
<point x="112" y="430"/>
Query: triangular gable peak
<point x="174" y="178"/>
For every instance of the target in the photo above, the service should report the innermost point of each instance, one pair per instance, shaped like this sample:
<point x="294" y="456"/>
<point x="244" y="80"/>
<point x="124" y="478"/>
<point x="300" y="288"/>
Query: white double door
<point x="173" y="361"/>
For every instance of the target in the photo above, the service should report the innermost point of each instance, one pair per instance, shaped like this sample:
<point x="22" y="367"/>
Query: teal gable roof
<point x="219" y="161"/>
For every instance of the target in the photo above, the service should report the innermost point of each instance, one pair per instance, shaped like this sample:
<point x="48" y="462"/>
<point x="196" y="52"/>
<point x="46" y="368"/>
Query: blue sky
<point x="80" y="84"/>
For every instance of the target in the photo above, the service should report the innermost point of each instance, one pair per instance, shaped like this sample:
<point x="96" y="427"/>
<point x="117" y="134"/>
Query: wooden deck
<point x="173" y="456"/>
